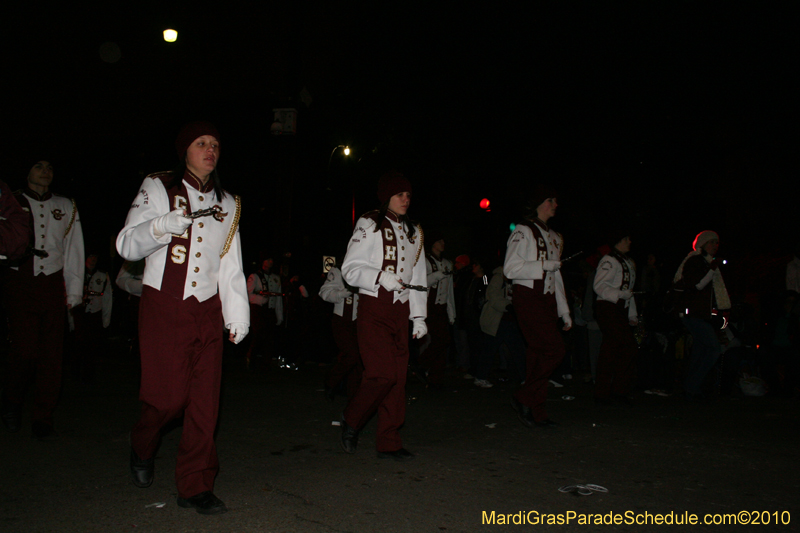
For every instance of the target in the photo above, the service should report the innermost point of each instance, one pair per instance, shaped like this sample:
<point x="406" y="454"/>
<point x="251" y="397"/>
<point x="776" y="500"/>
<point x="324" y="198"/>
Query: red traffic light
<point x="485" y="203"/>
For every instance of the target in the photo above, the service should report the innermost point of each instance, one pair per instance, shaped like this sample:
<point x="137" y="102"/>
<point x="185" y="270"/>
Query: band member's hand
<point x="625" y="295"/>
<point x="279" y="322"/>
<point x="420" y="329"/>
<point x="437" y="276"/>
<point x="391" y="281"/>
<point x="567" y="322"/>
<point x="551" y="266"/>
<point x="173" y="222"/>
<point x="238" y="332"/>
<point x="633" y="321"/>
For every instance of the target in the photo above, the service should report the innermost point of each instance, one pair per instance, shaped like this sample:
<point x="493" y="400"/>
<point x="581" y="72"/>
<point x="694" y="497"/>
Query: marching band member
<point x="441" y="312"/>
<point x="36" y="289"/>
<point x="383" y="255"/>
<point x="615" y="312"/>
<point x="193" y="287"/>
<point x="15" y="226"/>
<point x="266" y="309"/>
<point x="348" y="365"/>
<point x="90" y="319"/>
<point x="532" y="262"/>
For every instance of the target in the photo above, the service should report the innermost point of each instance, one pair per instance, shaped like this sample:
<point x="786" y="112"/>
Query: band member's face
<point x="202" y="155"/>
<point x="41" y="174"/>
<point x="438" y="247"/>
<point x="91" y="262"/>
<point x="399" y="203"/>
<point x="266" y="265"/>
<point x="624" y="246"/>
<point x="711" y="247"/>
<point x="547" y="209"/>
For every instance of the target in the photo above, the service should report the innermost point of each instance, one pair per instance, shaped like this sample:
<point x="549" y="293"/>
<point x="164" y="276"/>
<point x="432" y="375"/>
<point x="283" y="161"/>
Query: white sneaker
<point x="468" y="376"/>
<point x="556" y="384"/>
<point x="483" y="383"/>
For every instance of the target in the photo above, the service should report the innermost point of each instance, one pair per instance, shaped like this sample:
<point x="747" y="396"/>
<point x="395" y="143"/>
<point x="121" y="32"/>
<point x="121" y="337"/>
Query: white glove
<point x="279" y="321"/>
<point x="391" y="282"/>
<point x="436" y="276"/>
<point x="625" y="295"/>
<point x="238" y="331"/>
<point x="567" y="322"/>
<point x="420" y="329"/>
<point x="551" y="266"/>
<point x="173" y="222"/>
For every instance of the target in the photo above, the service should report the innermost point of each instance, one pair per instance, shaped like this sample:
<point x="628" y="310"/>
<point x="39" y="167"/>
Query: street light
<point x="346" y="152"/>
<point x="170" y="36"/>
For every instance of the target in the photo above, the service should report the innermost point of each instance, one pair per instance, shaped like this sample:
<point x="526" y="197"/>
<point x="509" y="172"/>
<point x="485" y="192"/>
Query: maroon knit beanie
<point x="390" y="184"/>
<point x="192" y="131"/>
<point x="541" y="193"/>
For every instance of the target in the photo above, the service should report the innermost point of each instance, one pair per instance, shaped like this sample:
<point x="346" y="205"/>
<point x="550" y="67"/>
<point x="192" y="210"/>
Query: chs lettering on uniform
<point x="391" y="253"/>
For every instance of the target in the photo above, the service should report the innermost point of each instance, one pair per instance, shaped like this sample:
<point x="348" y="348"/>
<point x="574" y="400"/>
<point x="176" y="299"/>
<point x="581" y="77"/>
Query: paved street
<point x="282" y="468"/>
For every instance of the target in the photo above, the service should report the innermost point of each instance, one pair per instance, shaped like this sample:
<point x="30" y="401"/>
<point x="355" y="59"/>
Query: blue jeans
<point x="705" y="352"/>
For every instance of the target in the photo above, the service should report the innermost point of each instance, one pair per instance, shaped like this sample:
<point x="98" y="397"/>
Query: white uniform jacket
<point x="364" y="258"/>
<point x="254" y="286"/>
<point x="207" y="272"/>
<point x="57" y="230"/>
<point x="523" y="263"/>
<point x="443" y="286"/>
<point x="334" y="291"/>
<point x="608" y="280"/>
<point x="100" y="283"/>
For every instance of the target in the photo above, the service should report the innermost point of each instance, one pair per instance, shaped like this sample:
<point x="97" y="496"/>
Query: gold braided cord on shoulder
<point x="421" y="244"/>
<point x="234" y="226"/>
<point x="560" y="244"/>
<point x="71" y="220"/>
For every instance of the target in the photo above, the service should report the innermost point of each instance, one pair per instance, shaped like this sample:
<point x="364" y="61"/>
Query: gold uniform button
<point x="197" y="254"/>
<point x="41" y="268"/>
<point x="43" y="247"/>
<point x="401" y="237"/>
<point x="201" y="198"/>
<point x="194" y="284"/>
<point x="197" y="269"/>
<point x="402" y="259"/>
<point x="200" y="224"/>
<point x="402" y="247"/>
<point x="42" y="225"/>
<point x="41" y="216"/>
<point x="42" y="236"/>
<point x="401" y="270"/>
<point x="199" y="239"/>
<point x="41" y="205"/>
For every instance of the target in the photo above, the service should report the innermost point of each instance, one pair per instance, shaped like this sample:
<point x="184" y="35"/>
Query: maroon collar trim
<point x="36" y="196"/>
<point x="195" y="182"/>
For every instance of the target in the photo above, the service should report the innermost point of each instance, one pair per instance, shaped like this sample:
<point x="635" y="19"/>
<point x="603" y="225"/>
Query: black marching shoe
<point x="204" y="503"/>
<point x="42" y="430"/>
<point x="349" y="438"/>
<point x="546" y="423"/>
<point x="523" y="413"/>
<point x="142" y="470"/>
<point x="398" y="455"/>
<point x="12" y="416"/>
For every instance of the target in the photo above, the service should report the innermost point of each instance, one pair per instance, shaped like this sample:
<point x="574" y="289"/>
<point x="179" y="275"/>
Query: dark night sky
<point x="670" y="120"/>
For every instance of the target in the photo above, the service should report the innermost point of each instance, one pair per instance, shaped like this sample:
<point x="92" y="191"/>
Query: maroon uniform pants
<point x="383" y="343"/>
<point x="348" y="365"/>
<point x="538" y="319"/>
<point x="36" y="308"/>
<point x="181" y="351"/>
<point x="616" y="363"/>
<point x="434" y="358"/>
